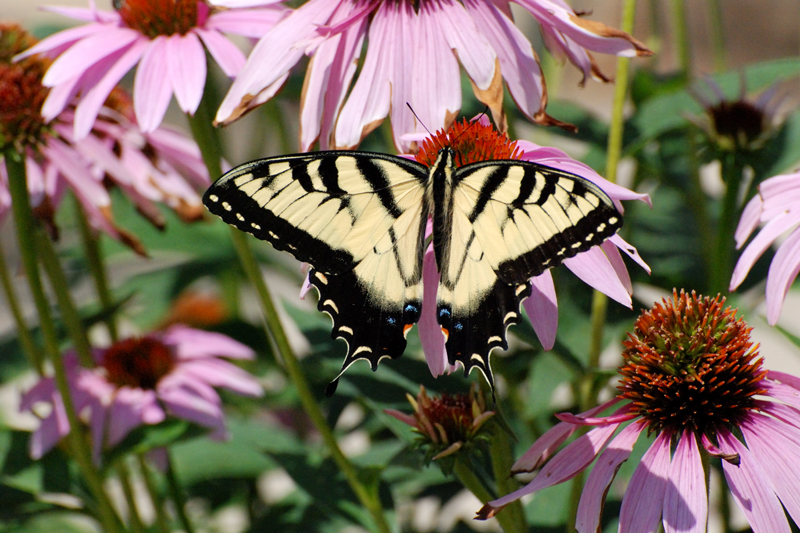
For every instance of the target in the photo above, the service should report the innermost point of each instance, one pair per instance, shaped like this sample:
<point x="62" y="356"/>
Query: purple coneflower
<point x="777" y="206"/>
<point x="141" y="381"/>
<point x="158" y="167"/>
<point x="415" y="48"/>
<point x="601" y="267"/>
<point x="693" y="378"/>
<point x="167" y="39"/>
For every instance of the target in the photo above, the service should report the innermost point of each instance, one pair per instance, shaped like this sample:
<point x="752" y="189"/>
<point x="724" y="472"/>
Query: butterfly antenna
<point x="418" y="119"/>
<point x="472" y="123"/>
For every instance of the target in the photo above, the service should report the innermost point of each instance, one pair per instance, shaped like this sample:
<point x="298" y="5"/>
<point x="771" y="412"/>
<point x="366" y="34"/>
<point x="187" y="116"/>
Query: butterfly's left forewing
<point x="511" y="220"/>
<point x="359" y="219"/>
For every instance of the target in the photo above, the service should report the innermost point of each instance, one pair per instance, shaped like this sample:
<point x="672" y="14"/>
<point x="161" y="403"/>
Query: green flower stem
<point x="127" y="489"/>
<point x="23" y="220"/>
<point x="176" y="492"/>
<point x="94" y="258"/>
<point x="722" y="262"/>
<point x="29" y="347"/>
<point x="162" y="522"/>
<point x="79" y="446"/>
<point x="506" y="518"/>
<point x="69" y="313"/>
<point x="681" y="36"/>
<point x="207" y="138"/>
<point x="502" y="456"/>
<point x="717" y="35"/>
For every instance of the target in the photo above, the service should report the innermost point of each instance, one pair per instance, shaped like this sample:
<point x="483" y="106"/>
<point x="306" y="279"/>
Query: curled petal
<point x="594" y="269"/>
<point x="782" y="272"/>
<point x="542" y="309"/>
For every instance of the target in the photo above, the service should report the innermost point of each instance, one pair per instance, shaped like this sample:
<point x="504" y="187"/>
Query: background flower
<point x="777" y="206"/>
<point x="142" y="381"/>
<point x="167" y="39"/>
<point x="413" y="57"/>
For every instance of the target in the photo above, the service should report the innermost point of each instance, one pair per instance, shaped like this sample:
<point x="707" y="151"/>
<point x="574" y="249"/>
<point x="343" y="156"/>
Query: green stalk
<point x="94" y="258"/>
<point x="162" y="523"/>
<point x="32" y="351"/>
<point x="502" y="457"/>
<point x="681" y="37"/>
<point x="506" y="517"/>
<point x="717" y="35"/>
<point x="177" y="496"/>
<point x="208" y="141"/>
<point x="722" y="262"/>
<point x="69" y="313"/>
<point x="79" y="446"/>
<point x="127" y="489"/>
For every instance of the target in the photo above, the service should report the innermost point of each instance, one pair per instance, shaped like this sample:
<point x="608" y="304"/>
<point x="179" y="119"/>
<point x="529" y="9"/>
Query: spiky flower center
<point x="162" y="17"/>
<point x="139" y="363"/>
<point x="472" y="142"/>
<point x="21" y="91"/>
<point x="690" y="365"/>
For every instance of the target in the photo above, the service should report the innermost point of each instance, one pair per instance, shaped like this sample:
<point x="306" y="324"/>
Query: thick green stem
<point x="680" y="36"/>
<point x="94" y="258"/>
<point x="506" y="517"/>
<point x="130" y="499"/>
<point x="177" y="496"/>
<point x="502" y="457"/>
<point x="29" y="347"/>
<point x="207" y="138"/>
<point x="69" y="313"/>
<point x="717" y="35"/>
<point x="79" y="446"/>
<point x="722" y="263"/>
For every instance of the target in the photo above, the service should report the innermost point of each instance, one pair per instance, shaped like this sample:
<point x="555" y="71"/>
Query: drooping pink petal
<point x="402" y="417"/>
<point x="151" y="87"/>
<point x="58" y="42"/>
<point x="86" y="187"/>
<point x="542" y="309"/>
<point x="782" y="272"/>
<point x="518" y="62"/>
<point x="327" y="79"/>
<point x="686" y="501"/>
<point x="751" y="217"/>
<point x="594" y="490"/>
<point x="629" y="250"/>
<point x="779" y="193"/>
<point x="594" y="269"/>
<point x="644" y="497"/>
<point x="131" y="408"/>
<point x="220" y="373"/>
<point x="474" y="52"/>
<point x="51" y="430"/>
<point x="565" y="465"/>
<point x="273" y="56"/>
<point x="774" y="447"/>
<point x="186" y="68"/>
<point x="187" y="401"/>
<point x="771" y="231"/>
<point x="430" y="332"/>
<point x="190" y="343"/>
<point x="90" y="14"/>
<point x="226" y="54"/>
<point x="92" y="100"/>
<point x="614" y="257"/>
<point x="784" y="392"/>
<point x="87" y="52"/>
<point x="547" y="444"/>
<point x="368" y="103"/>
<point x="751" y="489"/>
<point x="253" y="23"/>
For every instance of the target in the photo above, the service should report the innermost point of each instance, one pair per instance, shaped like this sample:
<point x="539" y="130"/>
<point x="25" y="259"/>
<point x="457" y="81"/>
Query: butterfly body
<point x="359" y="219"/>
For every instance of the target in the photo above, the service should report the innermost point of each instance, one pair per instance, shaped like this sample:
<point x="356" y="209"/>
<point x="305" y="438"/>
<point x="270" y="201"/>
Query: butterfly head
<point x="467" y="142"/>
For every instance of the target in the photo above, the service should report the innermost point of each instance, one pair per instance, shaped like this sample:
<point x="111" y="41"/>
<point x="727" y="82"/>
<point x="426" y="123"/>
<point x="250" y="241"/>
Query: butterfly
<point x="359" y="219"/>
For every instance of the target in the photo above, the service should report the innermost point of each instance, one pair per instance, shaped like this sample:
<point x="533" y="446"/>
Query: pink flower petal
<point x="273" y="56"/>
<point x="784" y="392"/>
<point x="775" y="448"/>
<point x="51" y="430"/>
<point x="59" y="42"/>
<point x="253" y="23"/>
<point x="518" y="62"/>
<point x="605" y="469"/>
<point x="686" y="501"/>
<point x="402" y="417"/>
<point x="186" y="402"/>
<point x="751" y="217"/>
<point x="151" y="87"/>
<point x="430" y="332"/>
<point x="131" y="408"/>
<point x="644" y="497"/>
<point x="226" y="54"/>
<point x="474" y="51"/>
<point x="93" y="99"/>
<point x="186" y="69"/>
<point x="542" y="309"/>
<point x="612" y="253"/>
<point x="750" y="488"/>
<point x="194" y="343"/>
<point x="566" y="465"/>
<point x="219" y="373"/>
<point x="594" y="269"/>
<point x="782" y="272"/>
<point x="771" y="231"/>
<point x="87" y="52"/>
<point x="629" y="250"/>
<point x="91" y="14"/>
